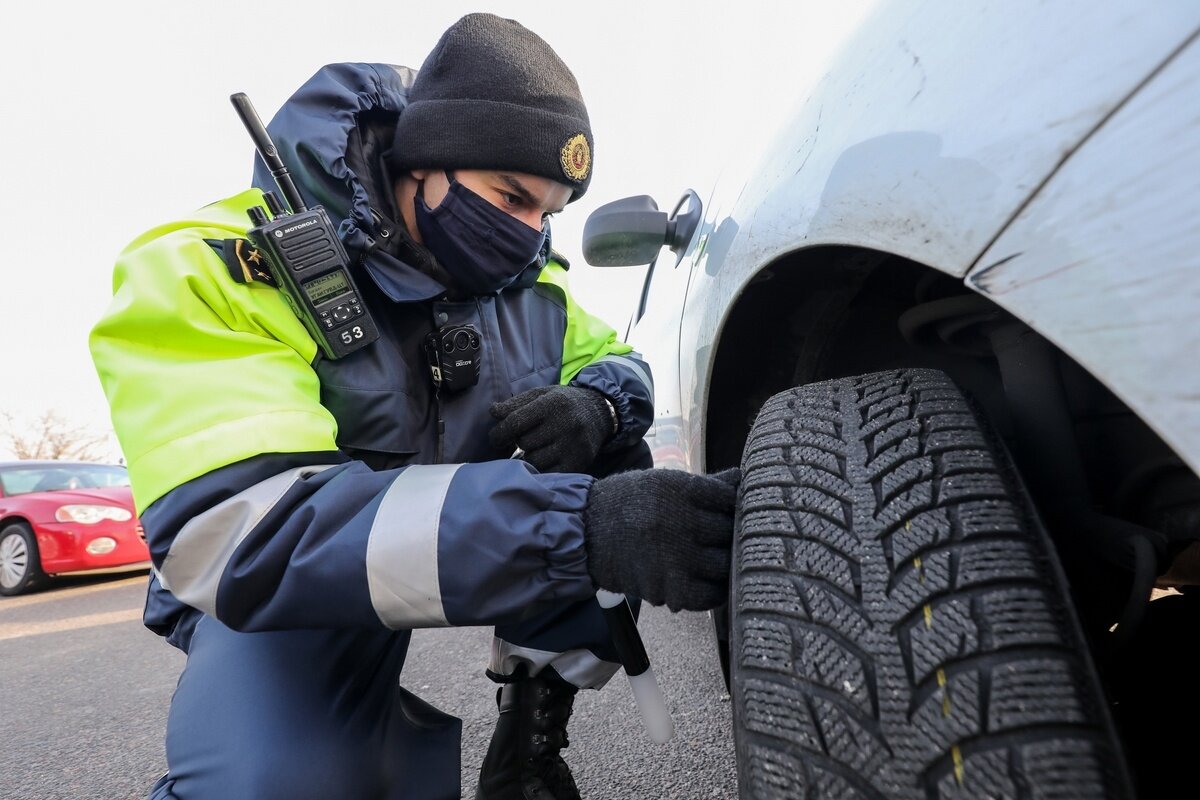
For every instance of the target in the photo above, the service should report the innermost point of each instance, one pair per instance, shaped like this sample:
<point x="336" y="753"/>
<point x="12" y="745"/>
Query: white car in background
<point x="950" y="328"/>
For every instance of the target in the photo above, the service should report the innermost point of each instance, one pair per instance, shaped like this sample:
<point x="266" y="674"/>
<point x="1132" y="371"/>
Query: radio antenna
<point x="266" y="151"/>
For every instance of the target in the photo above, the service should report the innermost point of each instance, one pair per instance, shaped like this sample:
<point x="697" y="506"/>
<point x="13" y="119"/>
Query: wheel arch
<point x="783" y="330"/>
<point x="18" y="518"/>
<point x="834" y="311"/>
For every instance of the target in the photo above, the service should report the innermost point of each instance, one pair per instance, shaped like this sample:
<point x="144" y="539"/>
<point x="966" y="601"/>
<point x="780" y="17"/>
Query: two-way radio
<point x="305" y="255"/>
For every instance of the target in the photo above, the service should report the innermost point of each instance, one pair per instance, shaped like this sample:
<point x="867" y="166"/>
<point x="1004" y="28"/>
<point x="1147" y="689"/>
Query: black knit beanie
<point x="493" y="95"/>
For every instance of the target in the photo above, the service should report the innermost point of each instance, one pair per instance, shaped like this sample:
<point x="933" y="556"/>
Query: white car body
<point x="1046" y="156"/>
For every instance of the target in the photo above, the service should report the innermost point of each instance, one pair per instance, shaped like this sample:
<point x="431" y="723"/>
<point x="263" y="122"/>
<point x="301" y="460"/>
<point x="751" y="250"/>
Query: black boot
<point x="523" y="761"/>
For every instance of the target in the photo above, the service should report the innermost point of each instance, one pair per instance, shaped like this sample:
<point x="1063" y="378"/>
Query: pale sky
<point x="116" y="117"/>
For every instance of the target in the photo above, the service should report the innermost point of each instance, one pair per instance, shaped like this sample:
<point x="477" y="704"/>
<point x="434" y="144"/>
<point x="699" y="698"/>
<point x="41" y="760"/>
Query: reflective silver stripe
<point x="193" y="567"/>
<point x="579" y="667"/>
<point x="633" y="366"/>
<point x="402" y="550"/>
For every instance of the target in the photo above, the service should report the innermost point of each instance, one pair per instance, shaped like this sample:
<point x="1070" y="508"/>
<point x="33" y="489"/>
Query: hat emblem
<point x="576" y="158"/>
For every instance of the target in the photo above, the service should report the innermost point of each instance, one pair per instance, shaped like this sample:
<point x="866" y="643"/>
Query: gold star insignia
<point x="254" y="257"/>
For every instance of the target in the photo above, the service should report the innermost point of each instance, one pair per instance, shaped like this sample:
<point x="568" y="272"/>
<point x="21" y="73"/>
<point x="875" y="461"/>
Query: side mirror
<point x="632" y="230"/>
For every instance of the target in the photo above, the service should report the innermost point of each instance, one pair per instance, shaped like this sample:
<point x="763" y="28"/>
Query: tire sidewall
<point x="33" y="570"/>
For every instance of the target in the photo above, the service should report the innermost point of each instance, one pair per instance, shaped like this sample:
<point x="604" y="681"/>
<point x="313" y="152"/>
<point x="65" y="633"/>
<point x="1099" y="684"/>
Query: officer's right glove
<point x="663" y="535"/>
<point x="560" y="428"/>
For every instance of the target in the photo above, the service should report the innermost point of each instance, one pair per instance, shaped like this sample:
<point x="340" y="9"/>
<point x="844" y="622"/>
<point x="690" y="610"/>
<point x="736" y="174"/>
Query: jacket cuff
<point x="621" y="408"/>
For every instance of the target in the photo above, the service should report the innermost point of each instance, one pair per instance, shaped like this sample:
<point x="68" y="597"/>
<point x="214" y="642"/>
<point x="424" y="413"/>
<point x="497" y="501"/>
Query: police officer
<point x="304" y="514"/>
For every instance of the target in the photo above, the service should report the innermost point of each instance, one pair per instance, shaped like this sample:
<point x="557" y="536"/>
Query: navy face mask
<point x="483" y="248"/>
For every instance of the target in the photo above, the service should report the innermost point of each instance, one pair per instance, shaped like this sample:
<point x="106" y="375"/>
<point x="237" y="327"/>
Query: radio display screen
<point x="326" y="287"/>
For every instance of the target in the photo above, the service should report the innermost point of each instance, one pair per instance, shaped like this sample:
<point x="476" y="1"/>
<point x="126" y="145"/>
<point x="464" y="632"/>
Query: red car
<point x="65" y="516"/>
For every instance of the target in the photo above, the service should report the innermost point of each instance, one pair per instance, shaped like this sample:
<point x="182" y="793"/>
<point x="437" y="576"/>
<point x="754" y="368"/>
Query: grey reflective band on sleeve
<point x="402" y="548"/>
<point x="580" y="668"/>
<point x="197" y="558"/>
<point x="629" y="364"/>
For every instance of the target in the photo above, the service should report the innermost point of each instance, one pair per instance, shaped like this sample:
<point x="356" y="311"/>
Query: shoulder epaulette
<point x="244" y="262"/>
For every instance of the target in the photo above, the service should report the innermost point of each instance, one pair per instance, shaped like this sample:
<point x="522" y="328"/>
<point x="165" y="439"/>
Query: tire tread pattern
<point x="899" y="625"/>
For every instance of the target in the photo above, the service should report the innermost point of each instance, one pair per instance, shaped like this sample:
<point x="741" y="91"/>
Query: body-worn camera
<point x="453" y="356"/>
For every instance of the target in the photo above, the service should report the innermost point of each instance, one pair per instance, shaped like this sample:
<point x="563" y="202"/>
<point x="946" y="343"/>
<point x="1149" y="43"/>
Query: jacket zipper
<point x="441" y="427"/>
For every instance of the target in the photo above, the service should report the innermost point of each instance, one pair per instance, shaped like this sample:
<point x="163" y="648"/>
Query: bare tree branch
<point x="52" y="437"/>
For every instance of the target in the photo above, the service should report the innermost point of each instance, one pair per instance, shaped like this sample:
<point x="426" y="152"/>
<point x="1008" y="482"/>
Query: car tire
<point x="900" y="624"/>
<point x="20" y="563"/>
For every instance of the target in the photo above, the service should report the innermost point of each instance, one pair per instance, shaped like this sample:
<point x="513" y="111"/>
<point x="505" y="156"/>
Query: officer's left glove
<point x="663" y="535"/>
<point x="560" y="428"/>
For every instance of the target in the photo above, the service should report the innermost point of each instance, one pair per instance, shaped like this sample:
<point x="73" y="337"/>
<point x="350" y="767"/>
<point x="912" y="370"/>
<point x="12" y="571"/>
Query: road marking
<point x="50" y="594"/>
<point x="19" y="630"/>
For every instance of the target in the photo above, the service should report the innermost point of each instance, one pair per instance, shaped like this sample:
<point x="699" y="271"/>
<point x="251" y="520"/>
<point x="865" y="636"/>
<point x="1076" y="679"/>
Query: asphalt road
<point x="84" y="691"/>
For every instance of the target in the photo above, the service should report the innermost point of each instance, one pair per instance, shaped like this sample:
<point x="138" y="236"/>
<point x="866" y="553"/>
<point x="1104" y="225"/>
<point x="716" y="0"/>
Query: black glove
<point x="663" y="535"/>
<point x="560" y="428"/>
